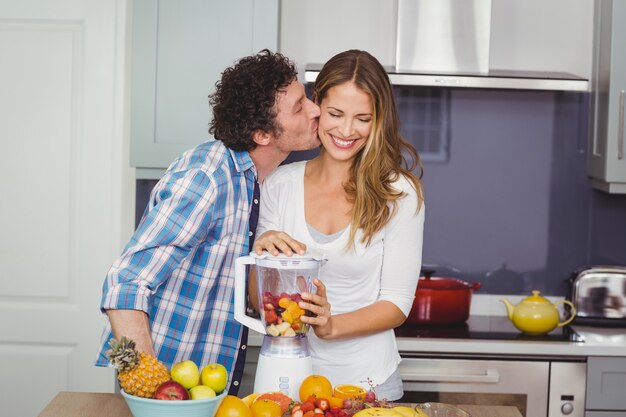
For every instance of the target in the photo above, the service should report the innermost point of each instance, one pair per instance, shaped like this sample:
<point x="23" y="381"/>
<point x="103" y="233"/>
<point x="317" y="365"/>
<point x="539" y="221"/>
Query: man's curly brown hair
<point x="244" y="99"/>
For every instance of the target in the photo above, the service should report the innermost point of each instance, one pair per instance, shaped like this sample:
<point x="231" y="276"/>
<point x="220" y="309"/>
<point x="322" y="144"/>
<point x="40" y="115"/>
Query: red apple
<point x="171" y="390"/>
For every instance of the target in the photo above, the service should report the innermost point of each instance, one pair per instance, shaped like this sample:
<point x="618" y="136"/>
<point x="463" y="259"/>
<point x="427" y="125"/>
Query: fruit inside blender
<point x="281" y="314"/>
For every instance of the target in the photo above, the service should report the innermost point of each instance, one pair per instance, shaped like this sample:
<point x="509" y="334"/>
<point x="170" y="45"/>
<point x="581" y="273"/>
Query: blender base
<point x="282" y="374"/>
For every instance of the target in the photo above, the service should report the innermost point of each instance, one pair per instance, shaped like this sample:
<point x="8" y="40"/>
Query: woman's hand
<point x="275" y="242"/>
<point x="317" y="304"/>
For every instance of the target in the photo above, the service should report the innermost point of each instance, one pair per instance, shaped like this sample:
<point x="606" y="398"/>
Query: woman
<point x="361" y="205"/>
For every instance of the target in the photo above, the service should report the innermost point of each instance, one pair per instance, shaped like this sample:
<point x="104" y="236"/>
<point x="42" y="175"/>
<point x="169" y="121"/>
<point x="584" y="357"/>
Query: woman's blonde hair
<point x="383" y="159"/>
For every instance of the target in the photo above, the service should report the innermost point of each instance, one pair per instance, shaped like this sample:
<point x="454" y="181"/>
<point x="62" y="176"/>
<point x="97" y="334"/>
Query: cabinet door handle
<point x="490" y="376"/>
<point x="620" y="130"/>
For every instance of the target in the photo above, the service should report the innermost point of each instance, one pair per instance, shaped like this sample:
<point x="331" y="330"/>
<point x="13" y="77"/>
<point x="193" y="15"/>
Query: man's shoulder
<point x="208" y="157"/>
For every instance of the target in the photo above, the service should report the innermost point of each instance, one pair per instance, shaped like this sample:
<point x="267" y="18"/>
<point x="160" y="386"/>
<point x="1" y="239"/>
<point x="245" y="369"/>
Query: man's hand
<point x="133" y="324"/>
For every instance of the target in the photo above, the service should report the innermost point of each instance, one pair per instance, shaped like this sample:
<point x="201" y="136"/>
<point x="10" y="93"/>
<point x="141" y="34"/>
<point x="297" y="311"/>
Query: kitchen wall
<point x="512" y="206"/>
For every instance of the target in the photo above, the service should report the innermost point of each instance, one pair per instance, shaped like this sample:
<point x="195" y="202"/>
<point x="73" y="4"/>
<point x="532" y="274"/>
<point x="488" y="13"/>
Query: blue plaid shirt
<point x="179" y="266"/>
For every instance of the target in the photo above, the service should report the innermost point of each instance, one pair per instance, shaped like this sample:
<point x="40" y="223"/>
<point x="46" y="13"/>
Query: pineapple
<point x="139" y="374"/>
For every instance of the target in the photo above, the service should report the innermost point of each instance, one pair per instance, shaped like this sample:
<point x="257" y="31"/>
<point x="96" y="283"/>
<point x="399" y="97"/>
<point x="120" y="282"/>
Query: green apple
<point x="214" y="375"/>
<point x="200" y="392"/>
<point x="186" y="373"/>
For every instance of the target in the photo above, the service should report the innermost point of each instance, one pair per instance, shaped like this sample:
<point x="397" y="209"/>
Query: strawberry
<point x="271" y="317"/>
<point x="322" y="404"/>
<point x="309" y="413"/>
<point x="297" y="412"/>
<point x="308" y="406"/>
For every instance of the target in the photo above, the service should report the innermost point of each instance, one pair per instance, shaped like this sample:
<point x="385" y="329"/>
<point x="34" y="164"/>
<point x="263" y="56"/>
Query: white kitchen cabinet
<point x="606" y="386"/>
<point x="606" y="161"/>
<point x="179" y="50"/>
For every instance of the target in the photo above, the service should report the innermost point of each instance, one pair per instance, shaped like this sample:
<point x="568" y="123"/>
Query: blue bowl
<point x="147" y="407"/>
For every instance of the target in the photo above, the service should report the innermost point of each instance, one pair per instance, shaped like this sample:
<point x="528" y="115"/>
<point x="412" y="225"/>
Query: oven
<point x="538" y="385"/>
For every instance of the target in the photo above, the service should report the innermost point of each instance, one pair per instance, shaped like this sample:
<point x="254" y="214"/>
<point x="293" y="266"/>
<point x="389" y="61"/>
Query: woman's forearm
<point x="377" y="317"/>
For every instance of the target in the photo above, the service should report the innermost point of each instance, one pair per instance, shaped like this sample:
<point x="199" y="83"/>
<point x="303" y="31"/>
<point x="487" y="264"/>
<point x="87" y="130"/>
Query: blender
<point x="284" y="359"/>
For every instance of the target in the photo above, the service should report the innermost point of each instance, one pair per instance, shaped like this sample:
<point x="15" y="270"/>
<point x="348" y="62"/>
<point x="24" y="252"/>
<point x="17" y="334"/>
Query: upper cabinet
<point x="606" y="162"/>
<point x="179" y="50"/>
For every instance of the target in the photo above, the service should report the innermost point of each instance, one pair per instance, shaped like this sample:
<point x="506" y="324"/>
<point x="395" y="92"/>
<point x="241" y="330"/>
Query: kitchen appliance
<point x="447" y="43"/>
<point x="535" y="315"/>
<point x="441" y="300"/>
<point x="539" y="386"/>
<point x="284" y="359"/>
<point x="598" y="294"/>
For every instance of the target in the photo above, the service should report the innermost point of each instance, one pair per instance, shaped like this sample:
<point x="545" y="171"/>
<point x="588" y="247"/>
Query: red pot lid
<point x="441" y="283"/>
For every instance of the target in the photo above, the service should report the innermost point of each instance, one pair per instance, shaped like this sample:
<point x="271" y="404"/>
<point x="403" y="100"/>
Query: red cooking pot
<point x="441" y="300"/>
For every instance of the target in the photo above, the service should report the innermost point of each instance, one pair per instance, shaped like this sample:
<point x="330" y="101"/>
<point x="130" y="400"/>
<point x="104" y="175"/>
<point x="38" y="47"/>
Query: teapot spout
<point x="509" y="307"/>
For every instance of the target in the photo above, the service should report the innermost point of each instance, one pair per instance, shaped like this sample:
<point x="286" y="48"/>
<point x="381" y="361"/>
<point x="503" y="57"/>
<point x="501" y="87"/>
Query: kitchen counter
<point x="75" y="404"/>
<point x="598" y="341"/>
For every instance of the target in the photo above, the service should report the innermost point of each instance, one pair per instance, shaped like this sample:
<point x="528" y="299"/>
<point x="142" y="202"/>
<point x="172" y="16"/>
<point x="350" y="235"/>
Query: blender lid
<point x="282" y="261"/>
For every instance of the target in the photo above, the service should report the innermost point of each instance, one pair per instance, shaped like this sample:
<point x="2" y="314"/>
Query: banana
<point x="378" y="412"/>
<point x="407" y="411"/>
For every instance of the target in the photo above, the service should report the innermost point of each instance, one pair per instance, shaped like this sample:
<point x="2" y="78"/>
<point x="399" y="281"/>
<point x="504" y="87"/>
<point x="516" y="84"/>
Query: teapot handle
<point x="572" y="312"/>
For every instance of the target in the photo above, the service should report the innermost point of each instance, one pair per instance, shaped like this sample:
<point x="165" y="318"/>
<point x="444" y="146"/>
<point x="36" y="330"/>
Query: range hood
<point x="445" y="43"/>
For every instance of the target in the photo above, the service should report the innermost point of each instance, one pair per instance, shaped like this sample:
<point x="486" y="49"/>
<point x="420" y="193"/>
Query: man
<point x="171" y="291"/>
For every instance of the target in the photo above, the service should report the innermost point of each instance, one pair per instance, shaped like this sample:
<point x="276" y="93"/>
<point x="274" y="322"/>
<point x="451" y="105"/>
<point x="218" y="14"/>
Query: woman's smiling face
<point x="345" y="121"/>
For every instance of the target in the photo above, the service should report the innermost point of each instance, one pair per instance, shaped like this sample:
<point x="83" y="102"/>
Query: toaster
<point x="599" y="295"/>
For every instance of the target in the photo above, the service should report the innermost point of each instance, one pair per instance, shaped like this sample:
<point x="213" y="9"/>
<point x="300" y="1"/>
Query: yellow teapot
<point x="536" y="315"/>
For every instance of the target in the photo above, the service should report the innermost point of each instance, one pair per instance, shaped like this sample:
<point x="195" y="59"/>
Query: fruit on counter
<point x="378" y="412"/>
<point x="316" y="385"/>
<point x="349" y="391"/>
<point x="215" y="376"/>
<point x="265" y="408"/>
<point x="185" y="373"/>
<point x="232" y="406"/>
<point x="139" y="374"/>
<point x="249" y="399"/>
<point x="282" y="314"/>
<point x="283" y="400"/>
<point x="171" y="390"/>
<point x="408" y="411"/>
<point x="420" y="413"/>
<point x="200" y="392"/>
<point x="335" y="402"/>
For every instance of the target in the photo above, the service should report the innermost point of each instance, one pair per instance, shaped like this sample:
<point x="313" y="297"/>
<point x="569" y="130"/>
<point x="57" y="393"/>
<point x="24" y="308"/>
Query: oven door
<point x="524" y="384"/>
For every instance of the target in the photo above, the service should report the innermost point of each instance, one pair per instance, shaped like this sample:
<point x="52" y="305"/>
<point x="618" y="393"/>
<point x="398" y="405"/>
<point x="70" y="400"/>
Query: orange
<point x="349" y="391"/>
<point x="249" y="399"/>
<point x="265" y="408"/>
<point x="232" y="406"/>
<point x="279" y="398"/>
<point x="316" y="385"/>
<point x="335" y="402"/>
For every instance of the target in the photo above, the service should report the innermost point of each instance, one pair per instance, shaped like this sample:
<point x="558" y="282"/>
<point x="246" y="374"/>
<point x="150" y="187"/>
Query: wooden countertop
<point x="85" y="404"/>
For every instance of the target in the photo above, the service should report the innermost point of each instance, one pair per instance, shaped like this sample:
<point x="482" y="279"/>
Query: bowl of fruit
<point x="151" y="390"/>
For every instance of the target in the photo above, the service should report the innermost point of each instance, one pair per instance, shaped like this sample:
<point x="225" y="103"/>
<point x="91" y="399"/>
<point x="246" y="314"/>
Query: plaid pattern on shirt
<point x="179" y="266"/>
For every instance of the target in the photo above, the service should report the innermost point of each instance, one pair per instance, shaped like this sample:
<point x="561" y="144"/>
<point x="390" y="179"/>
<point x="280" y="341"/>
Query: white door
<point x="65" y="192"/>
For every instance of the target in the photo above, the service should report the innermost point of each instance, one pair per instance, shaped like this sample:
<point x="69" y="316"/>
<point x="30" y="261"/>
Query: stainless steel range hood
<point x="445" y="43"/>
